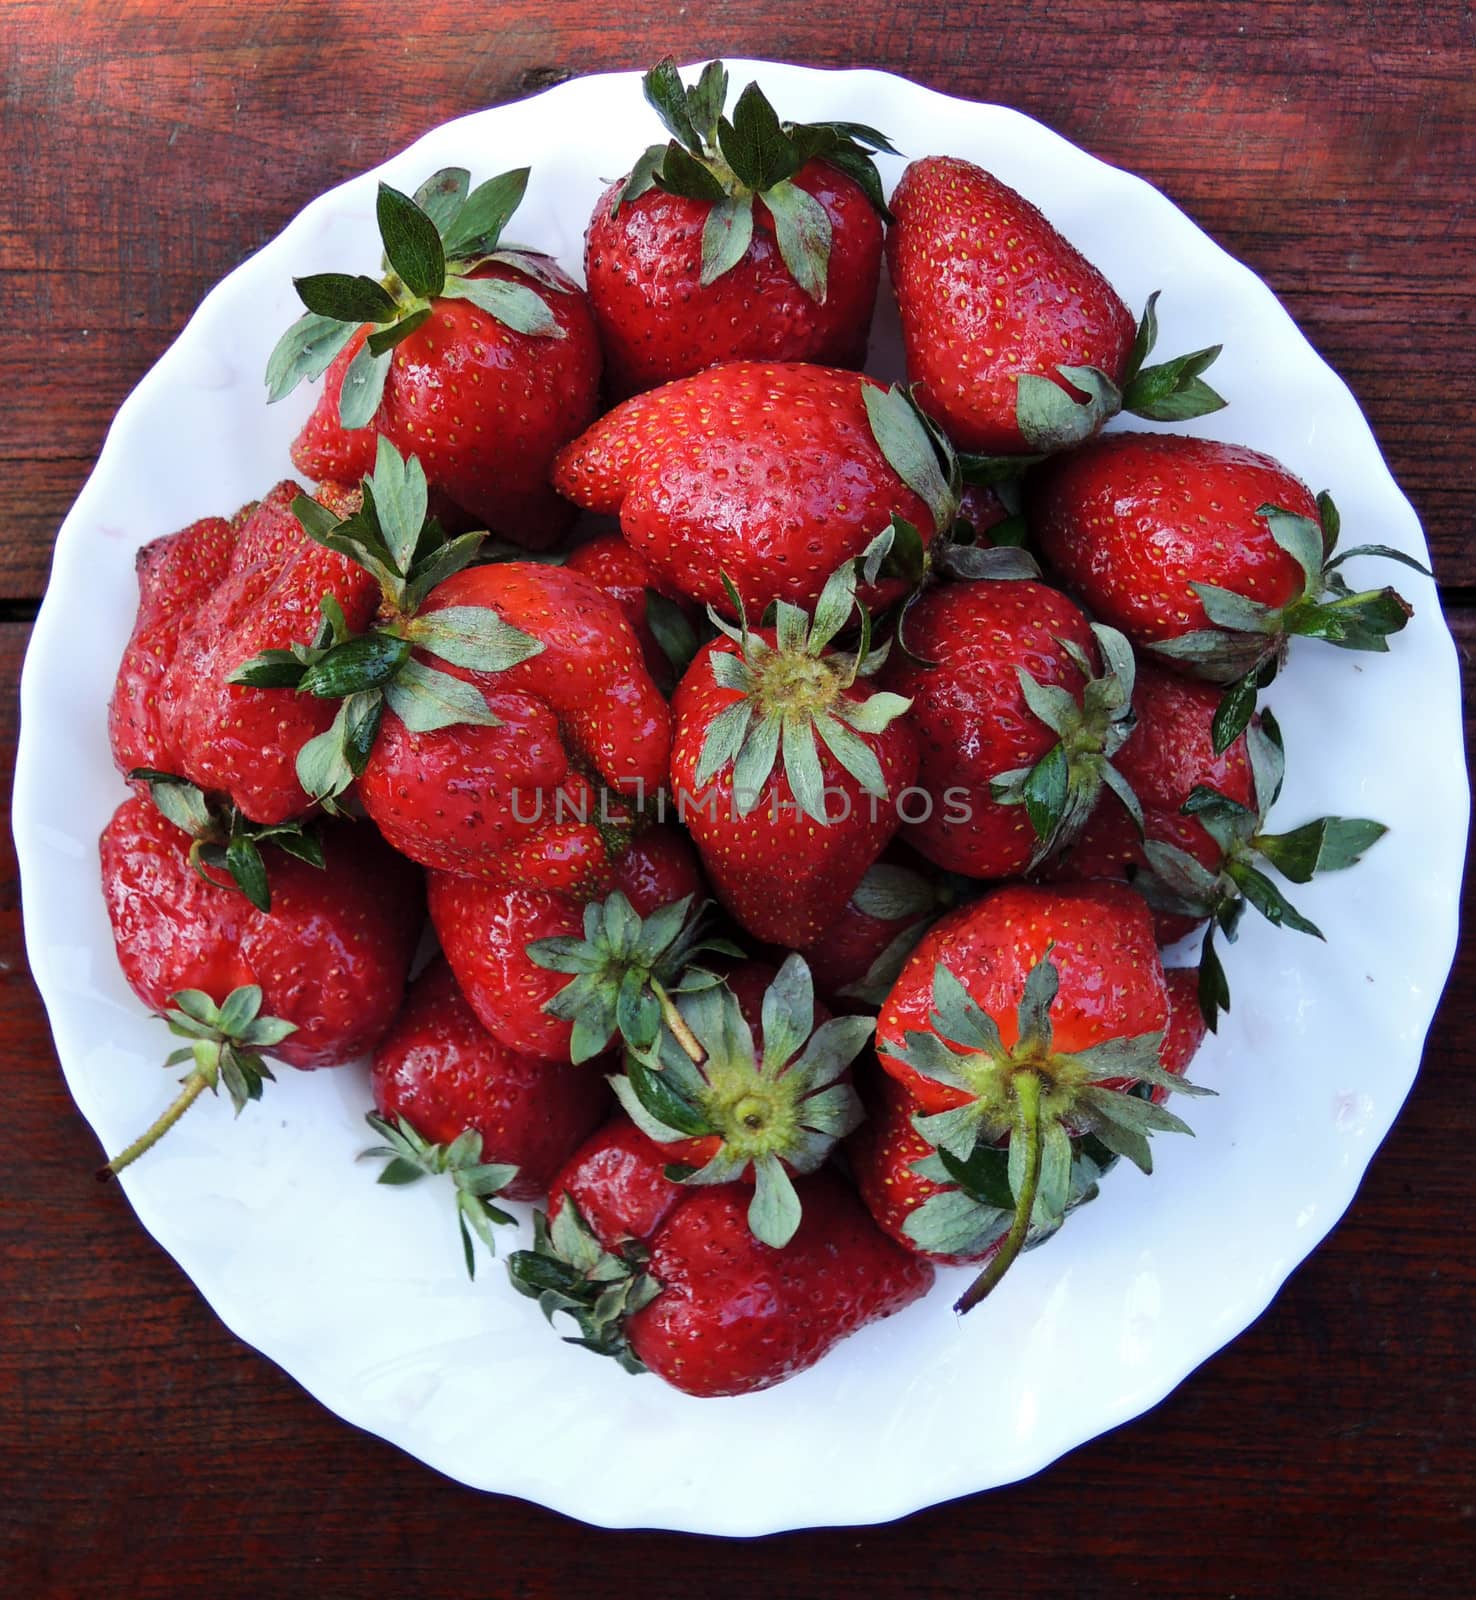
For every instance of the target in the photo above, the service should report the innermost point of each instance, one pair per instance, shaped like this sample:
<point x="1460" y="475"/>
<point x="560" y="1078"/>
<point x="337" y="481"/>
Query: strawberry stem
<point x="678" y="1025"/>
<point x="194" y="1085"/>
<point x="1027" y="1127"/>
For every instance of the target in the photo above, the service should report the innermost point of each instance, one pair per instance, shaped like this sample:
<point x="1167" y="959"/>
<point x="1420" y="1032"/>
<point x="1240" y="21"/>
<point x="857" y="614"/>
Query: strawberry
<point x="1208" y="555"/>
<point x="860" y="954"/>
<point x="513" y="949"/>
<point x="176" y="575"/>
<point x="669" y="1279"/>
<point x="755" y="1093"/>
<point x="238" y="740"/>
<point x="1029" y="1015"/>
<point x="330" y="956"/>
<point x="478" y="356"/>
<point x="439" y="1073"/>
<point x="1214" y="882"/>
<point x="661" y="619"/>
<point x="954" y="1212"/>
<point x="1014" y="340"/>
<point x="521" y="755"/>
<point x="785" y="769"/>
<point x="1185" y="1030"/>
<point x="768" y="476"/>
<point x="742" y="240"/>
<point x="1016" y="731"/>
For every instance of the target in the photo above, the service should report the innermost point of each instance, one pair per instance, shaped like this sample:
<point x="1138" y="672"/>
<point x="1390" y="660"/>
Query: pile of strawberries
<point x="799" y="856"/>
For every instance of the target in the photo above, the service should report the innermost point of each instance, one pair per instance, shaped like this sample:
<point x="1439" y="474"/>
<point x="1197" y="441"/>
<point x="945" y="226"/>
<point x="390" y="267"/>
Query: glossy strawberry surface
<point x="483" y="407"/>
<point x="989" y="291"/>
<point x="972" y="721"/>
<point x="782" y="874"/>
<point x="485" y="930"/>
<point x="658" y="322"/>
<point x="1132" y="520"/>
<point x="243" y="742"/>
<point x="766" y="473"/>
<point x="441" y="1071"/>
<point x="176" y="575"/>
<point x="331" y="956"/>
<point x="1099" y="936"/>
<point x="545" y="798"/>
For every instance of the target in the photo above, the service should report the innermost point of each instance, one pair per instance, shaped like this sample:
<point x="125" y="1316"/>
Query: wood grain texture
<point x="1329" y="146"/>
<point x="149" y="148"/>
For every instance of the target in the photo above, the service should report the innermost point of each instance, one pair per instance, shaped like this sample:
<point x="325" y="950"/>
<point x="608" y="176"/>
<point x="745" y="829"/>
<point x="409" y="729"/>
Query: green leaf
<point x="1386" y="552"/>
<point x="876" y="713"/>
<point x="909" y="448"/>
<point x="672" y="630"/>
<point x="1173" y="390"/>
<point x="1046" y="790"/>
<point x="239" y="1010"/>
<point x="989" y="563"/>
<point x="724" y="739"/>
<point x="788" y="1012"/>
<point x="1034" y="1016"/>
<point x="514" y="305"/>
<point x="706" y="99"/>
<point x="1226" y="609"/>
<point x="362" y="389"/>
<point x="384" y="339"/>
<point x="345" y="297"/>
<point x="682" y="174"/>
<point x="853" y="753"/>
<point x="666" y="95"/>
<point x="1232" y="715"/>
<point x="774" y="1213"/>
<point x="197" y="1006"/>
<point x="755" y="762"/>
<point x="411" y="242"/>
<point x="802" y="230"/>
<point x="272" y="669"/>
<point x="954" y="1223"/>
<point x="425" y="700"/>
<point x="182" y="803"/>
<point x="1050" y="419"/>
<point x="400" y="500"/>
<point x="641" y="179"/>
<point x="305" y="351"/>
<point x="365" y="663"/>
<point x="1214" y="986"/>
<point x="1269" y="900"/>
<point x="754" y="144"/>
<point x="1144" y="340"/>
<point x="1301" y="538"/>
<point x="726" y="235"/>
<point x="329" y="763"/>
<point x="244" y="863"/>
<point x="479" y="224"/>
<point x="890" y="893"/>
<point x="442" y="195"/>
<point x="958" y="1016"/>
<point x="802" y="768"/>
<point x="474" y="637"/>
<point x="984" y="1175"/>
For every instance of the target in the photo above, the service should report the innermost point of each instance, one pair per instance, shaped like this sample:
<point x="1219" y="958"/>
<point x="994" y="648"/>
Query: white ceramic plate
<point x="358" y="1291"/>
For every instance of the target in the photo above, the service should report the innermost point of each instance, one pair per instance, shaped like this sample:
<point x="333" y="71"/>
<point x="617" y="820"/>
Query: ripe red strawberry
<point x="741" y="240"/>
<point x="480" y="358"/>
<point x="770" y="476"/>
<point x="669" y="1279"/>
<point x="1016" y="732"/>
<point x="237" y="740"/>
<point x="1209" y="555"/>
<point x="1029" y="1014"/>
<point x="1014" y="340"/>
<point x="658" y="615"/>
<point x="521" y="754"/>
<point x="491" y="936"/>
<point x="786" y="770"/>
<point x="1168" y="755"/>
<point x="754" y="1092"/>
<point x="441" y="1072"/>
<point x="860" y="954"/>
<point x="1186" y="1029"/>
<point x="330" y="956"/>
<point x="176" y="575"/>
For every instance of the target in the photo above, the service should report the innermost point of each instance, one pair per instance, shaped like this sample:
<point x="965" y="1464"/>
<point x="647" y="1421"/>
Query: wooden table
<point x="149" y="147"/>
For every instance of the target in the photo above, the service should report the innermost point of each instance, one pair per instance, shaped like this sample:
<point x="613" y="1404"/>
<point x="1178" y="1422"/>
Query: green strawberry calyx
<point x="1029" y="1092"/>
<point x="625" y="969"/>
<point x="392" y="537"/>
<point x="974" y="1212"/>
<point x="793" y="696"/>
<point x="727" y="164"/>
<point x="434" y="243"/>
<point x="1246" y="644"/>
<point x="892" y="894"/>
<point x="225" y="1047"/>
<point x="225" y="845"/>
<point x="773" y="1112"/>
<point x="1055" y="413"/>
<point x="568" y="1270"/>
<point x="1061" y="790"/>
<point x="1177" y="883"/>
<point x="409" y="1157"/>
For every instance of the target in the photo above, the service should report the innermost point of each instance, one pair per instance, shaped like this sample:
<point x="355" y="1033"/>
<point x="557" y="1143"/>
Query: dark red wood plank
<point x="1326" y="145"/>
